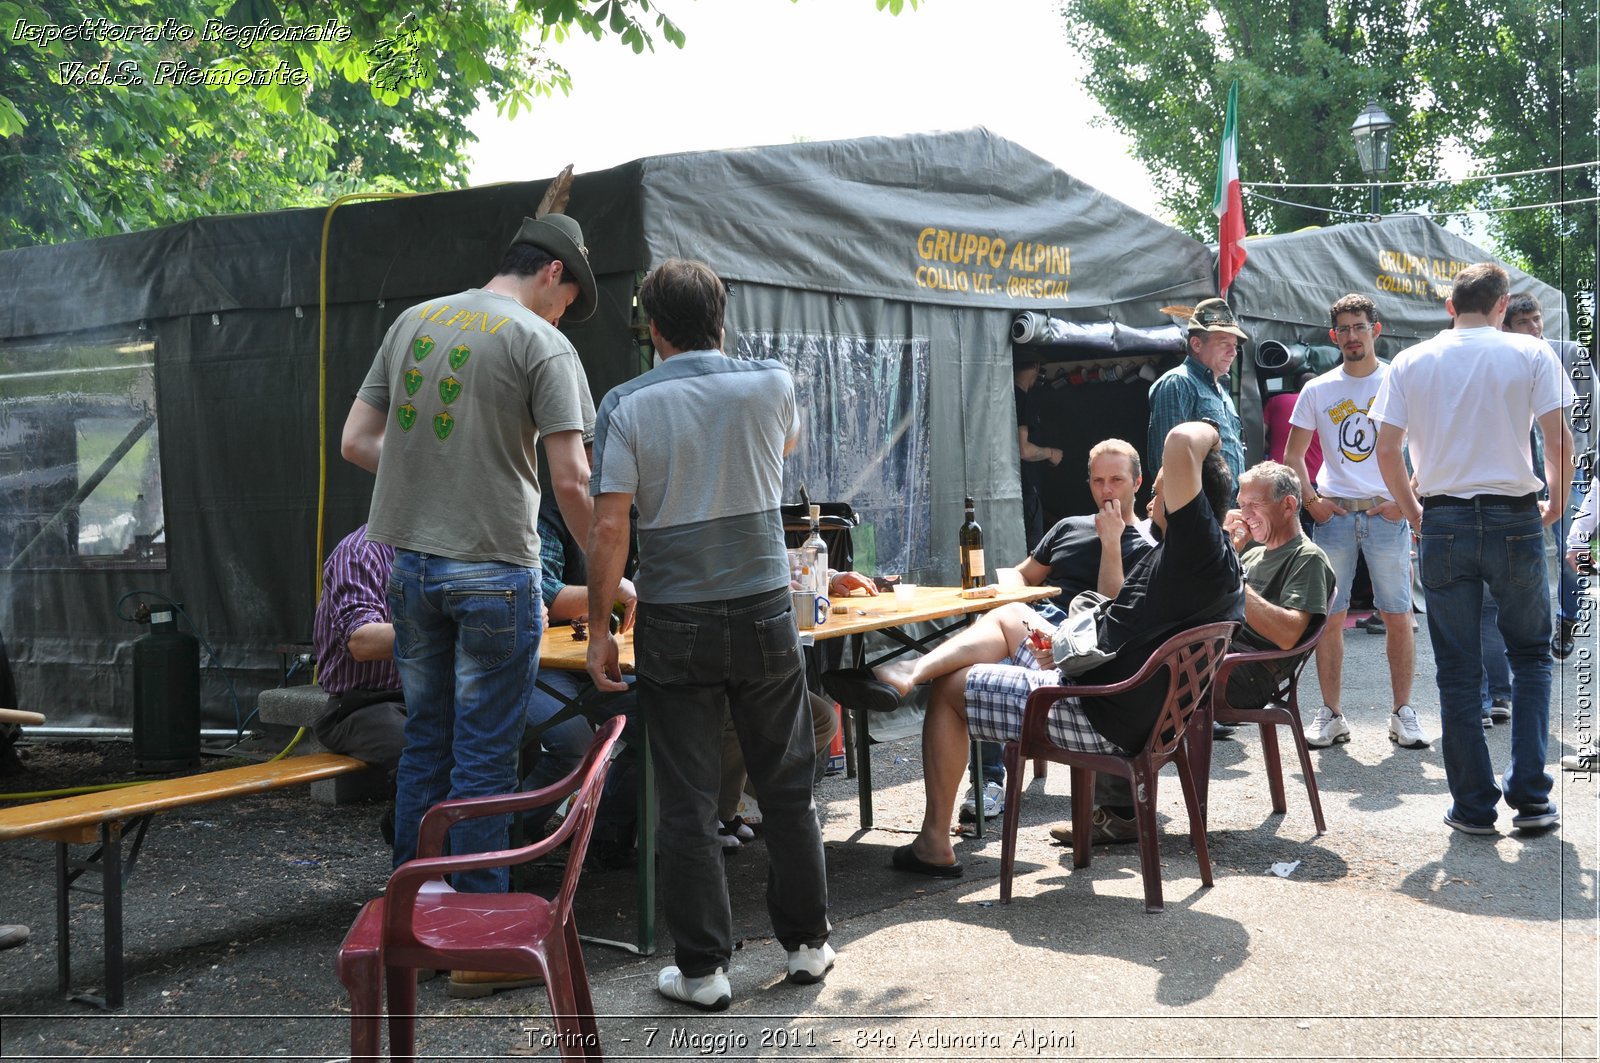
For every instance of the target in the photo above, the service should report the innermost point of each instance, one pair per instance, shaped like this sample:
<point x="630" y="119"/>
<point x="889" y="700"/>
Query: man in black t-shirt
<point x="1068" y="555"/>
<point x="1192" y="578"/>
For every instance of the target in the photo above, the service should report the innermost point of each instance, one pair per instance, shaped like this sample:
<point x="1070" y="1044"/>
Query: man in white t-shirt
<point x="1355" y="514"/>
<point x="1467" y="400"/>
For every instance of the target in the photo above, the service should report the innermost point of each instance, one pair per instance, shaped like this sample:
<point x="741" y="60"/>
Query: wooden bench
<point x="108" y="817"/>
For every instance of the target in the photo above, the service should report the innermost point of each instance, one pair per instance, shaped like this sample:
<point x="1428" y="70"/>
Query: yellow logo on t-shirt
<point x="1358" y="436"/>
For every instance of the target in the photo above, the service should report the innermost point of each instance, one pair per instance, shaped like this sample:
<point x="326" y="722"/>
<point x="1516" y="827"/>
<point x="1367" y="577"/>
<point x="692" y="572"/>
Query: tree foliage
<point x="1506" y="80"/>
<point x="98" y="136"/>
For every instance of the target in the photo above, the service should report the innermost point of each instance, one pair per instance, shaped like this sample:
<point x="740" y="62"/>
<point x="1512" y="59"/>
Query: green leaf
<point x="11" y="121"/>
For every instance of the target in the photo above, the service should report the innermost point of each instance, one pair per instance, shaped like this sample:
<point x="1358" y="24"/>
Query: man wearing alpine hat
<point x="459" y="395"/>
<point x="1194" y="391"/>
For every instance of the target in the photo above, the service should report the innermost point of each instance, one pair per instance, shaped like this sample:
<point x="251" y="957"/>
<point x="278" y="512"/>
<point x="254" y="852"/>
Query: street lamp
<point x="1371" y="131"/>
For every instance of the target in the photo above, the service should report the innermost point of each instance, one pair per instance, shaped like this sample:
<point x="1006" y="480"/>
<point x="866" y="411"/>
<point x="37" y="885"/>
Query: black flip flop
<point x="858" y="688"/>
<point x="905" y="859"/>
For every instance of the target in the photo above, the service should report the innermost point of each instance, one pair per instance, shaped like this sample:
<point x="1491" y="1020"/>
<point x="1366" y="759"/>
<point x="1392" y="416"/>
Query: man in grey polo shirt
<point x="698" y="443"/>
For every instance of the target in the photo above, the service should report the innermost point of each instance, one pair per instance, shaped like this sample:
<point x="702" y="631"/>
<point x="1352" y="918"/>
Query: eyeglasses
<point x="1360" y="330"/>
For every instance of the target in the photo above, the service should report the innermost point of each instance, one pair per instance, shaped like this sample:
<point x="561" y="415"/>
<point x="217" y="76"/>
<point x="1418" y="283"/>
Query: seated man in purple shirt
<point x="366" y="714"/>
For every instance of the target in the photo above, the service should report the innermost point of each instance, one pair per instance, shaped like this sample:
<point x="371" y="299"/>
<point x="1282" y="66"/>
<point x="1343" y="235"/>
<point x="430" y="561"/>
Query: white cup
<point x="1008" y="577"/>
<point x="905" y="594"/>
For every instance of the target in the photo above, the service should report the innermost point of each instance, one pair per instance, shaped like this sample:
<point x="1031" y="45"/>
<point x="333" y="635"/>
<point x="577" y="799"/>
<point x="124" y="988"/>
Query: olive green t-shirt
<point x="468" y="384"/>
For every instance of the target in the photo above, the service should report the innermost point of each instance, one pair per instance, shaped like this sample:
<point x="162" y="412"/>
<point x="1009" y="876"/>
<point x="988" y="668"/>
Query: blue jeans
<point x="1386" y="544"/>
<point x="1496" y="684"/>
<point x="467" y="647"/>
<point x="694" y="662"/>
<point x="562" y="747"/>
<point x="1461" y="549"/>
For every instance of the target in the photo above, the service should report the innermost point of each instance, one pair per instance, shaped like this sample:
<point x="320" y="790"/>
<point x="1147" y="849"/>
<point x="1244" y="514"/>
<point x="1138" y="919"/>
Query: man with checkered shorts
<point x="1192" y="578"/>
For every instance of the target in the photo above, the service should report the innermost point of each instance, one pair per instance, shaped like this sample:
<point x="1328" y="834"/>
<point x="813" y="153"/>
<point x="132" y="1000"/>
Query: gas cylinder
<point x="166" y="697"/>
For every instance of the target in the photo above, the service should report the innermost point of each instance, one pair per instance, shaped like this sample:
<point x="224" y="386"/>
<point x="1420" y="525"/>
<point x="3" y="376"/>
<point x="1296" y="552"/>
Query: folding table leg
<point x="111" y="880"/>
<point x="63" y="931"/>
<point x="647" y="843"/>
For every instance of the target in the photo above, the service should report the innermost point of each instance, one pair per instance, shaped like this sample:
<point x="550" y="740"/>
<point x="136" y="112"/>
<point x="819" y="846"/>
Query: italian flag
<point x="1228" y="205"/>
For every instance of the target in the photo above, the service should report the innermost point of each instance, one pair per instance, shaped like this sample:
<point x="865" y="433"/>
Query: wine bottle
<point x="972" y="571"/>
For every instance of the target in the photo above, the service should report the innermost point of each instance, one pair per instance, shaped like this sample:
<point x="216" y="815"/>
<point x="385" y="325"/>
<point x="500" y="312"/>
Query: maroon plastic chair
<point x="1282" y="709"/>
<point x="421" y="924"/>
<point x="1190" y="659"/>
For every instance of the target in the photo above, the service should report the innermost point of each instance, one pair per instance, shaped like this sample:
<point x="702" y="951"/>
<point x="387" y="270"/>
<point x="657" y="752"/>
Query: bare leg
<point x="944" y="762"/>
<point x="1400" y="642"/>
<point x="988" y="641"/>
<point x="1330" y="659"/>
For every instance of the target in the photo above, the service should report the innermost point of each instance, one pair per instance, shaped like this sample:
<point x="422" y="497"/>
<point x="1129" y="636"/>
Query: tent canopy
<point x="1405" y="263"/>
<point x="885" y="272"/>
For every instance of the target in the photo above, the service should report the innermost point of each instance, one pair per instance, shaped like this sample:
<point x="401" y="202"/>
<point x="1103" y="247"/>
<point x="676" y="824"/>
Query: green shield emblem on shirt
<point x="413" y="381"/>
<point x="422" y="347"/>
<point x="449" y="389"/>
<point x="443" y="423"/>
<point x="459" y="356"/>
<point x="407" y="416"/>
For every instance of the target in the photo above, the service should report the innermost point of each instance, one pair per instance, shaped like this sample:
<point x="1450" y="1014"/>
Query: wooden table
<point x="864" y="613"/>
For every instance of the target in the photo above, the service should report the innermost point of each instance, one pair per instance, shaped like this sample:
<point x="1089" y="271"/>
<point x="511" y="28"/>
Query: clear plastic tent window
<point x="80" y="465"/>
<point x="864" y="435"/>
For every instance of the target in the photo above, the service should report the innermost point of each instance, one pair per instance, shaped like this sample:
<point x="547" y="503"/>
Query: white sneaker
<point x="808" y="965"/>
<point x="708" y="993"/>
<point x="1327" y="727"/>
<point x="738" y="828"/>
<point x="994" y="802"/>
<point x="1405" y="730"/>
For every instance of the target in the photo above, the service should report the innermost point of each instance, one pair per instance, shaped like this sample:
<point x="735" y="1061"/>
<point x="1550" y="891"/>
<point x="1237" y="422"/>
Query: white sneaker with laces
<point x="994" y="802"/>
<point x="707" y="993"/>
<point x="1405" y="730"/>
<point x="1327" y="727"/>
<point x="808" y="965"/>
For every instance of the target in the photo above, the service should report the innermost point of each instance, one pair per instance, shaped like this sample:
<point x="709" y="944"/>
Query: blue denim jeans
<point x="562" y="747"/>
<point x="1386" y="544"/>
<point x="1496" y="669"/>
<point x="694" y="662"/>
<point x="1461" y="550"/>
<point x="466" y="642"/>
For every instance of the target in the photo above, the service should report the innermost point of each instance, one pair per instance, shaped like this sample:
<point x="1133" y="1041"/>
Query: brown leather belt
<point x="1356" y="505"/>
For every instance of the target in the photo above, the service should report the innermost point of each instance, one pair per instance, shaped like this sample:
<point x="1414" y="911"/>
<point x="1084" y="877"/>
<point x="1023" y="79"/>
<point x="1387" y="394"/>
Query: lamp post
<point x="1371" y="131"/>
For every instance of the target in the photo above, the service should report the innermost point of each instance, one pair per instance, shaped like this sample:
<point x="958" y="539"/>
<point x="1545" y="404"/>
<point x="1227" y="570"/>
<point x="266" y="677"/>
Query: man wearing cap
<point x="1466" y="401"/>
<point x="1194" y="391"/>
<point x="460" y="393"/>
<point x="1355" y="515"/>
